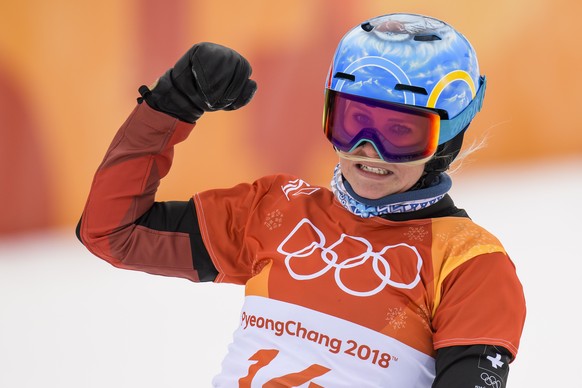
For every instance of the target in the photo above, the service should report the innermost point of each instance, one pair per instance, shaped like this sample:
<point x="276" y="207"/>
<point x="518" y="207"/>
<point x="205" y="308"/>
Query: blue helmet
<point x="413" y="60"/>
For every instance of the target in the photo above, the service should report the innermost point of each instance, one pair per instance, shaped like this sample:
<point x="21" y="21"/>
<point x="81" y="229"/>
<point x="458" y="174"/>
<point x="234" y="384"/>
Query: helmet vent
<point x="347" y="76"/>
<point x="426" y="38"/>
<point x="411" y="88"/>
<point x="367" y="26"/>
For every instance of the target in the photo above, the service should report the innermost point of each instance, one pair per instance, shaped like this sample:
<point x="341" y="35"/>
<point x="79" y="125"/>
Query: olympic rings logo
<point x="339" y="265"/>
<point x="490" y="380"/>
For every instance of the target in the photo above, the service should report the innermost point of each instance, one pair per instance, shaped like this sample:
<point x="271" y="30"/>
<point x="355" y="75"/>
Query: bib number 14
<point x="264" y="357"/>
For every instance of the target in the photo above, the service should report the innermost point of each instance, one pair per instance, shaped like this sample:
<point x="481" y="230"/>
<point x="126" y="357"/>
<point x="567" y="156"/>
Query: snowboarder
<point x="379" y="280"/>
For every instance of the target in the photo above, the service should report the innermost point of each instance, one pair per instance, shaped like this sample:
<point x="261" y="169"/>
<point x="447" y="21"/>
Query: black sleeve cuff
<point x="472" y="366"/>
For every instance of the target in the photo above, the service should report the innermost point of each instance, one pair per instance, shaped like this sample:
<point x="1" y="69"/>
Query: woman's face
<point x="376" y="180"/>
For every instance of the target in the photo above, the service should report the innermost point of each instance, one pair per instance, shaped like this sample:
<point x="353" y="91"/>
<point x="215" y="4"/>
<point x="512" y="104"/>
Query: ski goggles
<point x="399" y="133"/>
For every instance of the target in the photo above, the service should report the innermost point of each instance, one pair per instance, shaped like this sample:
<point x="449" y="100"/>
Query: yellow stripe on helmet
<point x="457" y="75"/>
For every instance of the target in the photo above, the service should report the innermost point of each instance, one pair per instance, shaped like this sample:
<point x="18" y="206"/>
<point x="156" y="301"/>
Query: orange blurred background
<point x="70" y="69"/>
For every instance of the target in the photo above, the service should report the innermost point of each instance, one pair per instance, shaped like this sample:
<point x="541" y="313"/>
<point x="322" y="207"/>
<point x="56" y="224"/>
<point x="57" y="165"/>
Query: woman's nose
<point x="369" y="150"/>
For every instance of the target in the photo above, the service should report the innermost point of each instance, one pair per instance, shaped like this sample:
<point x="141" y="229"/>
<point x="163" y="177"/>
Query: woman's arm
<point x="121" y="222"/>
<point x="472" y="366"/>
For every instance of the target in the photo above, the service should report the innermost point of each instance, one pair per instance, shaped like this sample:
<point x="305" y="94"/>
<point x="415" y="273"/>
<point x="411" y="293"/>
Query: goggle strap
<point x="451" y="128"/>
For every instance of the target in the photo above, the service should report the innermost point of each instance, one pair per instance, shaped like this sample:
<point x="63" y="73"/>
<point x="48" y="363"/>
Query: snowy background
<point x="67" y="319"/>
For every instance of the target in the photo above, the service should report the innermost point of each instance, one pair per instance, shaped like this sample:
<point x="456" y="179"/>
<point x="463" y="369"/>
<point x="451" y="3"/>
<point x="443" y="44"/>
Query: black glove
<point x="207" y="78"/>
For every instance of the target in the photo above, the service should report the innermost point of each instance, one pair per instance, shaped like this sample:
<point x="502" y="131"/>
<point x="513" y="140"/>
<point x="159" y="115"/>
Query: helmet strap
<point x="440" y="162"/>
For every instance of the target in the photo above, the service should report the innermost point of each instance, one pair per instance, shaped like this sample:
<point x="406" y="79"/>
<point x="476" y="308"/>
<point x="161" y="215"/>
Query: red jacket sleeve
<point x="123" y="190"/>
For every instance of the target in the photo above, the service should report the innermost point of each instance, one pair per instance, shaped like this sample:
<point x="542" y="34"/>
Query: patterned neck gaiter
<point x="394" y="203"/>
